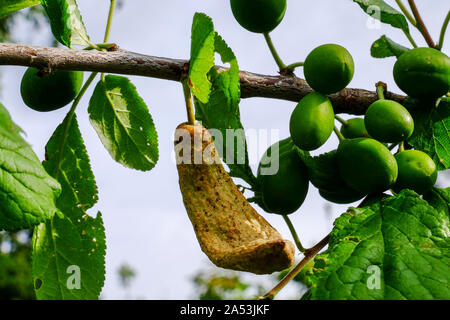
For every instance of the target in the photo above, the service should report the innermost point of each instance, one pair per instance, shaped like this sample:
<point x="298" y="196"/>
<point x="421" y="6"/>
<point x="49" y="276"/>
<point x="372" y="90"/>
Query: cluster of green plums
<point x="43" y="91"/>
<point x="363" y="163"/>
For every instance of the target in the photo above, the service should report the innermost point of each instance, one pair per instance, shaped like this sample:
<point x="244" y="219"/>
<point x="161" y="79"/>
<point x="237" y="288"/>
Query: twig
<point x="421" y="25"/>
<point x="309" y="254"/>
<point x="291" y="88"/>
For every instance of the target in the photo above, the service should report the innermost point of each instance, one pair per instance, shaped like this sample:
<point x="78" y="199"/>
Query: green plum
<point x="423" y="73"/>
<point x="329" y="68"/>
<point x="416" y="171"/>
<point x="354" y="128"/>
<point x="284" y="190"/>
<point x="366" y="165"/>
<point x="52" y="91"/>
<point x="388" y="121"/>
<point x="312" y="121"/>
<point x="260" y="16"/>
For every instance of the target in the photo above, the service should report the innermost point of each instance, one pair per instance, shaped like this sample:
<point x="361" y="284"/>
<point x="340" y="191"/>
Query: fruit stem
<point x="410" y="38"/>
<point x="401" y="146"/>
<point x="338" y="134"/>
<point x="112" y="6"/>
<point x="406" y="12"/>
<point x="294" y="233"/>
<point x="421" y="25"/>
<point x="188" y="101"/>
<point x="443" y="30"/>
<point x="100" y="46"/>
<point x="292" y="66"/>
<point x="274" y="52"/>
<point x="309" y="254"/>
<point x="69" y="118"/>
<point x="344" y="122"/>
<point x="381" y="88"/>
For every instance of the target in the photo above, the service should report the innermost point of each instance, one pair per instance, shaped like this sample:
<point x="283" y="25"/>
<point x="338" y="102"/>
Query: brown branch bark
<point x="352" y="101"/>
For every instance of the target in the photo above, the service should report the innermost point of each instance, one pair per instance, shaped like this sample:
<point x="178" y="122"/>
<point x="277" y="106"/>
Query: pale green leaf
<point x="221" y="113"/>
<point x="385" y="47"/>
<point x="432" y="132"/>
<point x="202" y="56"/>
<point x="380" y="10"/>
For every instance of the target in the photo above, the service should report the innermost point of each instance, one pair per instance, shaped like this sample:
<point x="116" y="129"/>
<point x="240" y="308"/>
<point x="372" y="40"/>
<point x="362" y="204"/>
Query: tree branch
<point x="352" y="101"/>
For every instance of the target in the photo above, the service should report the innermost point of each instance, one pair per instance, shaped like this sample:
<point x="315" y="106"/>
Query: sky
<point x="146" y="224"/>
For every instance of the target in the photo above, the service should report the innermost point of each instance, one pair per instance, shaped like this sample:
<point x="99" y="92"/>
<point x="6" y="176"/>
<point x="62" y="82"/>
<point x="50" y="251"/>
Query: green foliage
<point x="15" y="266"/>
<point x="27" y="192"/>
<point x="218" y="287"/>
<point x="432" y="132"/>
<point x="202" y="56"/>
<point x="225" y="285"/>
<point x="387" y="14"/>
<point x="385" y="47"/>
<point x="10" y="6"/>
<point x="66" y="22"/>
<point x="404" y="237"/>
<point x="127" y="274"/>
<point x="74" y="238"/>
<point x="123" y="123"/>
<point x="221" y="110"/>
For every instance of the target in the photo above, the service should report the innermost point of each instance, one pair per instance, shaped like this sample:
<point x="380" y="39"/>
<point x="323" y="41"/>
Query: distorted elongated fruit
<point x="354" y="128"/>
<point x="283" y="179"/>
<point x="230" y="232"/>
<point x="366" y="165"/>
<point x="312" y="121"/>
<point x="423" y="73"/>
<point x="388" y="121"/>
<point x="258" y="16"/>
<point x="329" y="68"/>
<point x="52" y="91"/>
<point x="416" y="171"/>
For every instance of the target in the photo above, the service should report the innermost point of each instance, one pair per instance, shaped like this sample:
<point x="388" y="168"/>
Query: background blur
<point x="152" y="252"/>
